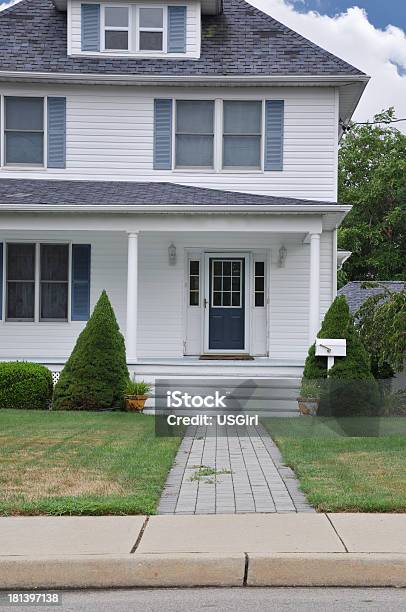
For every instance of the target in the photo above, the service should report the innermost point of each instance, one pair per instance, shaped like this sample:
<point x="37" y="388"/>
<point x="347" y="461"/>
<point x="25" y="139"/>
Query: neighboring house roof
<point x="57" y="192"/>
<point x="240" y="41"/>
<point x="356" y="294"/>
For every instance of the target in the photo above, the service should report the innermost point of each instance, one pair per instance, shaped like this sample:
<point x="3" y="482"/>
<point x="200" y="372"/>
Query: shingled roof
<point x="356" y="294"/>
<point x="240" y="41"/>
<point x="48" y="192"/>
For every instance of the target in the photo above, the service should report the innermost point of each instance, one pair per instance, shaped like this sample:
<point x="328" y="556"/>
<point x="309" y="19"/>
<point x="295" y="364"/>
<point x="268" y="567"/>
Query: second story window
<point x="116" y="28"/>
<point x="194" y="141"/>
<point x="151" y="29"/>
<point x="242" y="134"/>
<point x="24" y="130"/>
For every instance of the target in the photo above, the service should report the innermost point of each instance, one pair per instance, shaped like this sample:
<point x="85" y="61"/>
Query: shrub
<point x="351" y="388"/>
<point x="95" y="376"/>
<point x="25" y="385"/>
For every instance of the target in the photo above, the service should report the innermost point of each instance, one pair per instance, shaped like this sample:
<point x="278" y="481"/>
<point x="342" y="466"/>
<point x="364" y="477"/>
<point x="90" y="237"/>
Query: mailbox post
<point x="331" y="348"/>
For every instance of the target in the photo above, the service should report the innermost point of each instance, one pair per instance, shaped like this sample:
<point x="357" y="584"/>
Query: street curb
<point x="161" y="570"/>
<point x="331" y="569"/>
<point x="203" y="569"/>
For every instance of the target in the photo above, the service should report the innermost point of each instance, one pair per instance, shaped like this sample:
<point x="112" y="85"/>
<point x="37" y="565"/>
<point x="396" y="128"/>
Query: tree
<point x="381" y="322"/>
<point x="96" y="374"/>
<point x="372" y="177"/>
<point x="348" y="388"/>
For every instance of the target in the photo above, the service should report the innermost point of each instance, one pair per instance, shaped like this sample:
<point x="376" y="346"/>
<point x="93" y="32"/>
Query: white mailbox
<point x="330" y="348"/>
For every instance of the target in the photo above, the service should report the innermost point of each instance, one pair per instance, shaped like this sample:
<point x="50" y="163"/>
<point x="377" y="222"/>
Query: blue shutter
<point x="162" y="134"/>
<point x="56" y="132"/>
<point x="1" y="280"/>
<point x="80" y="282"/>
<point x="274" y="120"/>
<point x="90" y="27"/>
<point x="176" y="29"/>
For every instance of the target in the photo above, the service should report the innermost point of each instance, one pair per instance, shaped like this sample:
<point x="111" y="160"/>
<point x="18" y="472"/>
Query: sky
<point x="369" y="34"/>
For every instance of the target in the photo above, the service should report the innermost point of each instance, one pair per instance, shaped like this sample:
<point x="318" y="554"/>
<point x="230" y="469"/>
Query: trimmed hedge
<point x="95" y="375"/>
<point x="25" y="385"/>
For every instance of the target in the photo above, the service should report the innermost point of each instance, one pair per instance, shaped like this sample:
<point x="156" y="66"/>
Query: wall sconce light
<point x="172" y="254"/>
<point x="282" y="256"/>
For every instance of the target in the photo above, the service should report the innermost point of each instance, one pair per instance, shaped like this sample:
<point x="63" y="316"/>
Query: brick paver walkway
<point x="235" y="470"/>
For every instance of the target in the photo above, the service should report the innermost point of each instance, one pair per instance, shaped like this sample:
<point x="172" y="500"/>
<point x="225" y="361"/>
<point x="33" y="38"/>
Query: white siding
<point x="56" y="340"/>
<point x="161" y="329"/>
<point x="110" y="137"/>
<point x="192" y="29"/>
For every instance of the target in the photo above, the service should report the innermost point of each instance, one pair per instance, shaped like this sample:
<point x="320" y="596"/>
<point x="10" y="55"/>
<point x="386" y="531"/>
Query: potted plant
<point x="136" y="394"/>
<point x="309" y="398"/>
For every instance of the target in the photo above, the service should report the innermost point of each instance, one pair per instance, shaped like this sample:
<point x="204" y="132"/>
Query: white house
<point x="182" y="155"/>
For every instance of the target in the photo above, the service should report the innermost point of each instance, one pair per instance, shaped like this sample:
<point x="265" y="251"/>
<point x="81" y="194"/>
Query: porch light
<point x="282" y="256"/>
<point x="172" y="254"/>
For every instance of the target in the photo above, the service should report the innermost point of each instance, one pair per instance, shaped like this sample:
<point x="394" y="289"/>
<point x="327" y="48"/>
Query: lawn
<point x="346" y="465"/>
<point x="81" y="463"/>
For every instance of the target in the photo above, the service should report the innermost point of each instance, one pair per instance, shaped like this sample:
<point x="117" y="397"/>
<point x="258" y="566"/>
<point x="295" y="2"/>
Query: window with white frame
<point x="194" y="282"/>
<point x="37" y="281"/>
<point x="151" y="31"/>
<point x="242" y="134"/>
<point x="194" y="137"/>
<point x="116" y="28"/>
<point x="23" y="130"/>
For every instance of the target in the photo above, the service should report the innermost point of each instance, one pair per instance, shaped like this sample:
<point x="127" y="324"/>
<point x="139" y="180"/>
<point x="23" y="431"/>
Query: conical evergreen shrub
<point x="96" y="374"/>
<point x="351" y="388"/>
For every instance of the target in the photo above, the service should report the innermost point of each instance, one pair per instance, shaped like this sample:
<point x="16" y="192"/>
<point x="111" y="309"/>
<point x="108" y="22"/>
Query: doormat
<point x="226" y="357"/>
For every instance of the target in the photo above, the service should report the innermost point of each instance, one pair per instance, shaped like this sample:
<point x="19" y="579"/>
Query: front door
<point x="226" y="304"/>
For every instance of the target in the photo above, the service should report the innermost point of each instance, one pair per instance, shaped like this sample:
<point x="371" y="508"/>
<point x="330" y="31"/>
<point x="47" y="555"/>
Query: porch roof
<point x="25" y="193"/>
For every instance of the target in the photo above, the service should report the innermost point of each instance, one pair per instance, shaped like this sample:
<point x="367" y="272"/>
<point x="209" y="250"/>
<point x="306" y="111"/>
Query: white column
<point x="314" y="295"/>
<point x="132" y="296"/>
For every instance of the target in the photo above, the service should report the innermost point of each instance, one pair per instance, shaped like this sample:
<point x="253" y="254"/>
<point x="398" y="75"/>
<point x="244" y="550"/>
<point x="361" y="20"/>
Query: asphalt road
<point x="235" y="600"/>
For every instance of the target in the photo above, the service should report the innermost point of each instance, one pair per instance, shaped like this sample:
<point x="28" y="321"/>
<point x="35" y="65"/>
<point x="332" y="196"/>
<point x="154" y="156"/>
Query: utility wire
<point x="347" y="128"/>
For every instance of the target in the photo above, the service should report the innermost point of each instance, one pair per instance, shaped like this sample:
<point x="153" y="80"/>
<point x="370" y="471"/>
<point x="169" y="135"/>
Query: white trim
<point x="4" y="285"/>
<point x="247" y="305"/>
<point x="300" y="80"/>
<point x="334" y="265"/>
<point x="314" y="287"/>
<point x="132" y="295"/>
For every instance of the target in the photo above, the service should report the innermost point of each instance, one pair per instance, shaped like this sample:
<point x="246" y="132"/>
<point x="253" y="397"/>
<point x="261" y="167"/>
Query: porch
<point x="268" y="266"/>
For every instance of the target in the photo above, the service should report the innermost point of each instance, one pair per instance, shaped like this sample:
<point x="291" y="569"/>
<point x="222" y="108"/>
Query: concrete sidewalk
<point x="217" y="550"/>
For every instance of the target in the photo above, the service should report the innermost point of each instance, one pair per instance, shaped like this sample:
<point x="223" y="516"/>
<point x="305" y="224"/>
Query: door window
<point x="226" y="291"/>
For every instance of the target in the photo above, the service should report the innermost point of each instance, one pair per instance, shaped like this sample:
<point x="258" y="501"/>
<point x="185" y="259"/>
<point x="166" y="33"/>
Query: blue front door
<point x="226" y="304"/>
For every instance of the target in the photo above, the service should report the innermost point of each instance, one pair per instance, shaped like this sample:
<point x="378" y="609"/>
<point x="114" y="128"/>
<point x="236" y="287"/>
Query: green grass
<point x="81" y="463"/>
<point x="346" y="465"/>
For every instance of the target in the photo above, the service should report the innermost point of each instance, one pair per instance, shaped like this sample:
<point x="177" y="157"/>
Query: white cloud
<point x="5" y="5"/>
<point x="350" y="35"/>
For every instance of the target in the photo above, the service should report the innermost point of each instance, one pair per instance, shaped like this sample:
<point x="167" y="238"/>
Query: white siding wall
<point x="110" y="137"/>
<point x="192" y="28"/>
<point x="56" y="340"/>
<point x="162" y="292"/>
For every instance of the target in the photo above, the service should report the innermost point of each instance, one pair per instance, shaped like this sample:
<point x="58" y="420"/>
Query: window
<point x="20" y="265"/>
<point x="116" y="28"/>
<point x="194" y="140"/>
<point x="54" y="282"/>
<point x="24" y="130"/>
<point x="52" y="260"/>
<point x="194" y="283"/>
<point x="227" y="283"/>
<point x="259" y="284"/>
<point x="242" y="134"/>
<point x="151" y="29"/>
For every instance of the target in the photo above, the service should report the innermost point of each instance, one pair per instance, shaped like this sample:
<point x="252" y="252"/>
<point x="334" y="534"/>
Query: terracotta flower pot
<point x="135" y="403"/>
<point x="308" y="405"/>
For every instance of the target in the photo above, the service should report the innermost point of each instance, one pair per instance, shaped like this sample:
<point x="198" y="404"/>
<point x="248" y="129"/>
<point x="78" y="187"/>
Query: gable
<point x="240" y="41"/>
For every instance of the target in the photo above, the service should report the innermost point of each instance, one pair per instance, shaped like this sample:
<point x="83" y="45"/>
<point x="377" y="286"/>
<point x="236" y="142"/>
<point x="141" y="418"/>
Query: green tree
<point x="349" y="387"/>
<point x="372" y="177"/>
<point x="381" y="322"/>
<point x="96" y="374"/>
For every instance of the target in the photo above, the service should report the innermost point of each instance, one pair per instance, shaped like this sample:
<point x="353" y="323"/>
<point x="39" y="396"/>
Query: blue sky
<point x="380" y="12"/>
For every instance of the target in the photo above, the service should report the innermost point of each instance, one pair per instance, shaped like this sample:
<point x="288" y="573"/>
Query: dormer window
<point x="151" y="29"/>
<point x="136" y="29"/>
<point x="116" y="28"/>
